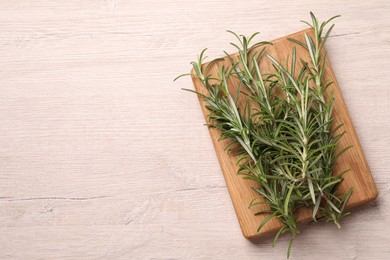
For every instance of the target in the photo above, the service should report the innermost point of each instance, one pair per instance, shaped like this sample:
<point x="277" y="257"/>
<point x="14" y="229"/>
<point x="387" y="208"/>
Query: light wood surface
<point x="359" y="177"/>
<point x="103" y="157"/>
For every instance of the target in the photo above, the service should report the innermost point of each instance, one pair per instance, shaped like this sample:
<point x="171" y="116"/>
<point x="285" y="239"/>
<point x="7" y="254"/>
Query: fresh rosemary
<point x="285" y="137"/>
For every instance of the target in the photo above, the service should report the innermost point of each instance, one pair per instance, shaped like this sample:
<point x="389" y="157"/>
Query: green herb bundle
<point x="285" y="137"/>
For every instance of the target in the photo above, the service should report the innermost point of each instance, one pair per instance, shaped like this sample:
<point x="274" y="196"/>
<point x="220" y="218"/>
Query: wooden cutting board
<point x="240" y="189"/>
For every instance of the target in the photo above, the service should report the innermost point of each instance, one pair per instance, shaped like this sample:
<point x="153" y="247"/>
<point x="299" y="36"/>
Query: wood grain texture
<point x="359" y="177"/>
<point x="103" y="157"/>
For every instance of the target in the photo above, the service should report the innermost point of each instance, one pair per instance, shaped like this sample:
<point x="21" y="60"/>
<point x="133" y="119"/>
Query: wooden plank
<point x="241" y="194"/>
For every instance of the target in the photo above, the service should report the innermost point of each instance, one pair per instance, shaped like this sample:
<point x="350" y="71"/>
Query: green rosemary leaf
<point x="293" y="61"/>
<point x="258" y="203"/>
<point x="333" y="206"/>
<point x="193" y="91"/>
<point x="311" y="188"/>
<point x="323" y="148"/>
<point x="213" y="62"/>
<point x="281" y="231"/>
<point x="253" y="202"/>
<point x="287" y="200"/>
<point x="325" y="23"/>
<point x="260" y="43"/>
<point x="263" y="212"/>
<point x="182" y="75"/>
<point x="238" y="38"/>
<point x="289" y="247"/>
<point x="310" y="46"/>
<point x="253" y="36"/>
<point x="272" y="177"/>
<point x="332" y="183"/>
<point x="342" y="173"/>
<point x="316" y="207"/>
<point x="315" y="23"/>
<point x="244" y="145"/>
<point x="345" y="199"/>
<point x="308" y="24"/>
<point x="325" y="37"/>
<point x="343" y="151"/>
<point x="298" y="42"/>
<point x="333" y="196"/>
<point x="265" y="221"/>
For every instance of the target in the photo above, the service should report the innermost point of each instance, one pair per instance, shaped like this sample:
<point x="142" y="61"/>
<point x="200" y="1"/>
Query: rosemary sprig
<point x="285" y="136"/>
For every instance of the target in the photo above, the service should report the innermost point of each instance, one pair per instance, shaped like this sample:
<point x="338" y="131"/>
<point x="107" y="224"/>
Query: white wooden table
<point x="102" y="156"/>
